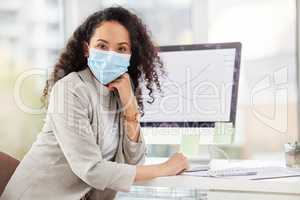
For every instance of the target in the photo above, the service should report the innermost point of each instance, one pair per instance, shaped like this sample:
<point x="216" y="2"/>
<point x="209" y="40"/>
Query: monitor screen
<point x="199" y="89"/>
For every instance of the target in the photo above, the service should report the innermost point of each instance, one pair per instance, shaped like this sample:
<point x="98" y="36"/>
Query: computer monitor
<point x="200" y="86"/>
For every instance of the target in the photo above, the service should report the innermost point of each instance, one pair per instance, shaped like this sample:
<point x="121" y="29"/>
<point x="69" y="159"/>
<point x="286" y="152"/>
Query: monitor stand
<point x="199" y="144"/>
<point x="191" y="148"/>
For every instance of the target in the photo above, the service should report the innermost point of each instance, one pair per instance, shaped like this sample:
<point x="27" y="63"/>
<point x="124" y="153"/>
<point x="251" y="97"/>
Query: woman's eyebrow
<point x="103" y="41"/>
<point x="120" y="43"/>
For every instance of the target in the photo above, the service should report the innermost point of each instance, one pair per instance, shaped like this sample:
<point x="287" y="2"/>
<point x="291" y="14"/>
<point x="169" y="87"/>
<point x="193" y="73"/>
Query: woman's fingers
<point x="177" y="163"/>
<point x="117" y="82"/>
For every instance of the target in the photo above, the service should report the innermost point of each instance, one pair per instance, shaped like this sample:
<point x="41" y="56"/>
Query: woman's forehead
<point x="113" y="32"/>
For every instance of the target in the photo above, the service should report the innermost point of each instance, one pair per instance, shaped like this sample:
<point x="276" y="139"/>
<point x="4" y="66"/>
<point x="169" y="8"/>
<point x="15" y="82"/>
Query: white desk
<point x="223" y="189"/>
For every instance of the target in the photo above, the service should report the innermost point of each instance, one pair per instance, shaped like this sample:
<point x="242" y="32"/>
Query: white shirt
<point x="110" y="138"/>
<point x="109" y="123"/>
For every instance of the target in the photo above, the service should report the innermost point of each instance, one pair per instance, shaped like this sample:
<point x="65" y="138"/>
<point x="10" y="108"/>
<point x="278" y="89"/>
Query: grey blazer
<point x="66" y="162"/>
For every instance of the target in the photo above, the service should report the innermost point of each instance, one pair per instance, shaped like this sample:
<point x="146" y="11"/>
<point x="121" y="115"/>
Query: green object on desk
<point x="223" y="133"/>
<point x="190" y="145"/>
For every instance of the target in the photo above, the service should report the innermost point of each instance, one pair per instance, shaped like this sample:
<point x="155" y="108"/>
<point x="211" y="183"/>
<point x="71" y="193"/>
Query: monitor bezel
<point x="234" y="97"/>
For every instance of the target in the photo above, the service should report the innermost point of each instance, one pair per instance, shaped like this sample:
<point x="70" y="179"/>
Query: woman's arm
<point x="134" y="147"/>
<point x="129" y="105"/>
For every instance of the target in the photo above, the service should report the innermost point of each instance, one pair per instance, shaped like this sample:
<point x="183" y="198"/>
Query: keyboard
<point x="204" y="171"/>
<point x="256" y="173"/>
<point x="233" y="172"/>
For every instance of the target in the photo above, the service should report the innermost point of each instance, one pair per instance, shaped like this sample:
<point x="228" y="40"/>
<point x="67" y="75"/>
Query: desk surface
<point x="282" y="185"/>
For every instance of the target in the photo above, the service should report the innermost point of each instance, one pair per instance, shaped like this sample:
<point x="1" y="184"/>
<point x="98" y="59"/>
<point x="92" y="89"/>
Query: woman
<point x="91" y="145"/>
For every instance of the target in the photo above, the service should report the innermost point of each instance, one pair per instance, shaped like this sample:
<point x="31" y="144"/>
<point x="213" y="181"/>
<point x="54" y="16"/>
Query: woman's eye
<point x="102" y="46"/>
<point x="122" y="49"/>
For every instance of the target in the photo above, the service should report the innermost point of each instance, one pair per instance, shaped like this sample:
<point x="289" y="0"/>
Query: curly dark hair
<point x="145" y="63"/>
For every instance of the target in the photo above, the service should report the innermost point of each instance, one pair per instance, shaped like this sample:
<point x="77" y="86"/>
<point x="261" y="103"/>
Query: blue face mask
<point x="107" y="65"/>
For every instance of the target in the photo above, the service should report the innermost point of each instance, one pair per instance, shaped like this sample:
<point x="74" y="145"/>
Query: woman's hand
<point x="123" y="86"/>
<point x="175" y="165"/>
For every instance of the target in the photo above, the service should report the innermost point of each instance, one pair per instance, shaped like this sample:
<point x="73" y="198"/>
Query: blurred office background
<point x="33" y="32"/>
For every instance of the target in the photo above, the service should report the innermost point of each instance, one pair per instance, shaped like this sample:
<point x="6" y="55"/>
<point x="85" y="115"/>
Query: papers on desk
<point x="260" y="173"/>
<point x="198" y="168"/>
<point x="275" y="172"/>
